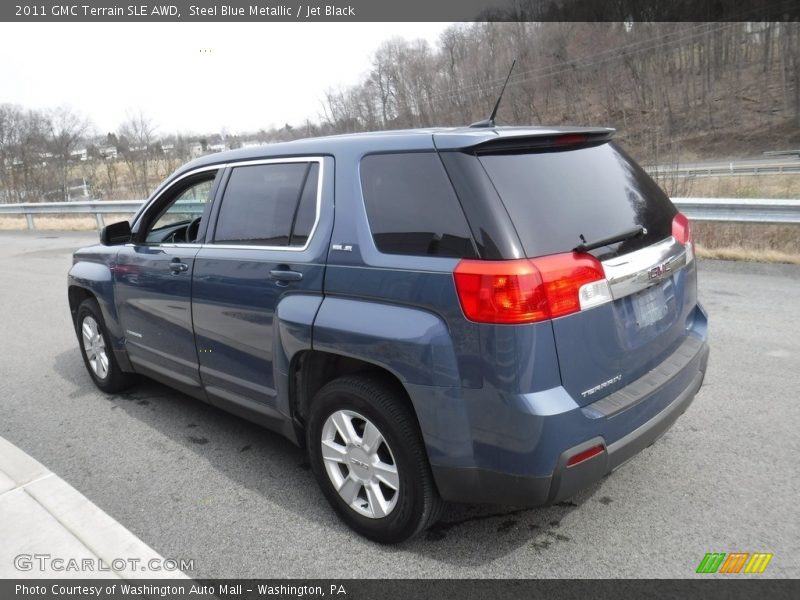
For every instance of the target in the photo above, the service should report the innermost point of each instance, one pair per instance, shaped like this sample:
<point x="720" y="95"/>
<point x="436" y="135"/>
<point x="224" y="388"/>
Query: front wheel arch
<point x="76" y="295"/>
<point x="112" y="378"/>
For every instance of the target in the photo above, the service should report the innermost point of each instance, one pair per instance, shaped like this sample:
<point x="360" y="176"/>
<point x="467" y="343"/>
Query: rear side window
<point x="269" y="205"/>
<point x="307" y="208"/>
<point x="555" y="197"/>
<point x="412" y="208"/>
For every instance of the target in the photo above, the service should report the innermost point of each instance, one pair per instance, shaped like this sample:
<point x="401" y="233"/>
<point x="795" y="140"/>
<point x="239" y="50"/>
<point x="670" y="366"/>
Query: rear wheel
<point x="369" y="459"/>
<point x="96" y="350"/>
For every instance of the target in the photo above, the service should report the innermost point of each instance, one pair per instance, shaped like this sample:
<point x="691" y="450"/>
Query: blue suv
<point x="492" y="315"/>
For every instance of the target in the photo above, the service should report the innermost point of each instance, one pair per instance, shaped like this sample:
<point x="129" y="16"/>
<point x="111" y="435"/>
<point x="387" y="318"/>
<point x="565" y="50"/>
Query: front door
<point x="153" y="282"/>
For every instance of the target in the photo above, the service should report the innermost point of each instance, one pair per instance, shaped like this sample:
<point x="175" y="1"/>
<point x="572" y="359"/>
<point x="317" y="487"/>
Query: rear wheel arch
<point x="311" y="370"/>
<point x="380" y="483"/>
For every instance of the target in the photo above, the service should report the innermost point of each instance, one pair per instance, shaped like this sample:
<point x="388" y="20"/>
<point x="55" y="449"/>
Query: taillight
<point x="572" y="281"/>
<point x="529" y="290"/>
<point x="508" y="291"/>
<point x="682" y="232"/>
<point x="681" y="229"/>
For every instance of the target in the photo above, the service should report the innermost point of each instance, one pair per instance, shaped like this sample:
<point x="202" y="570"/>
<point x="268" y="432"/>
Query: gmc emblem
<point x="658" y="271"/>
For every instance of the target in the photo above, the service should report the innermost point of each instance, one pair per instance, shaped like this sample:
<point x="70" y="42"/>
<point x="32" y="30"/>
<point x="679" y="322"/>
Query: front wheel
<point x="369" y="459"/>
<point x="96" y="350"/>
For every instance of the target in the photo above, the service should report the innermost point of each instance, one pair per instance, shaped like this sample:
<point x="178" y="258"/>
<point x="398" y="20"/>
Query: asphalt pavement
<point x="193" y="482"/>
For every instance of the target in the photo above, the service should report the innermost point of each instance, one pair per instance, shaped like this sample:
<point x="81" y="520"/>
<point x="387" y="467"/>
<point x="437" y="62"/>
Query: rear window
<point x="412" y="208"/>
<point x="555" y="197"/>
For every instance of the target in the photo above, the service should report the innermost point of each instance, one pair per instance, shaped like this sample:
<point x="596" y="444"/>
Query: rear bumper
<point x="482" y="485"/>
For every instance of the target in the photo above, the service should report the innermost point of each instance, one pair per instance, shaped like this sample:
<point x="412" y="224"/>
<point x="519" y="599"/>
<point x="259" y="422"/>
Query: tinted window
<point x="555" y="197"/>
<point x="260" y="203"/>
<point x="307" y="209"/>
<point x="411" y="206"/>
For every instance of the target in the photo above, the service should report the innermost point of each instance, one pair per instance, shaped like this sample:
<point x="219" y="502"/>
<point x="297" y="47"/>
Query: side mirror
<point x="116" y="234"/>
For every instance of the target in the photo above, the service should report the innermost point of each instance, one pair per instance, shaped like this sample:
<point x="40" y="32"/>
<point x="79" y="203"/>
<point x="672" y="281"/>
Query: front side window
<point x="179" y="221"/>
<point x="412" y="208"/>
<point x="269" y="205"/>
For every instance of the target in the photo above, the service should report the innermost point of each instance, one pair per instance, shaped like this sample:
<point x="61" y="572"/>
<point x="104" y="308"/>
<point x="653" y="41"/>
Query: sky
<point x="190" y="77"/>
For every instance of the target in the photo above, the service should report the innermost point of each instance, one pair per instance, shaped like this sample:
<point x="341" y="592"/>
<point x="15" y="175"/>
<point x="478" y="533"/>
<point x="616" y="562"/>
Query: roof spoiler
<point x="549" y="141"/>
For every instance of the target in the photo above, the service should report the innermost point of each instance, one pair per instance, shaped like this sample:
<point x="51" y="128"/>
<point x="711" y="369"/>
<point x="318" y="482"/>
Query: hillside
<point x="688" y="90"/>
<point x="675" y="92"/>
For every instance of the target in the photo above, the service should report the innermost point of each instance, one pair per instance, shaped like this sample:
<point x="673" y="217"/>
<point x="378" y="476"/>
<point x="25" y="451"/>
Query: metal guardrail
<point x="741" y="210"/>
<point x="782" y="153"/>
<point x="723" y="171"/>
<point x="97" y="208"/>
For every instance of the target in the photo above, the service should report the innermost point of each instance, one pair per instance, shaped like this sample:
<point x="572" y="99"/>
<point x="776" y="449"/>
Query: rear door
<point x="559" y="198"/>
<point x="266" y="245"/>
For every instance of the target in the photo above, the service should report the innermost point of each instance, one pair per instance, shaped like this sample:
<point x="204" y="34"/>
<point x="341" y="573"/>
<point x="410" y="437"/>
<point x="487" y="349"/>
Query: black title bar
<point x="401" y="10"/>
<point x="706" y="587"/>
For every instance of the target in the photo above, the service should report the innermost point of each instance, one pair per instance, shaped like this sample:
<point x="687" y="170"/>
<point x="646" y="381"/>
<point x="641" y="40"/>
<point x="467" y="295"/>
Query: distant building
<point x="108" y="152"/>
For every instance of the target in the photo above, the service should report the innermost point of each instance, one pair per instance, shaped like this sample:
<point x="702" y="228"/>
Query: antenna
<point x="490" y="121"/>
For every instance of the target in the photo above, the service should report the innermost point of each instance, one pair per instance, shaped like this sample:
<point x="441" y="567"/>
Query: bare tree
<point x="11" y="118"/>
<point x="65" y="130"/>
<point x="677" y="81"/>
<point x="137" y="136"/>
<point x="24" y="155"/>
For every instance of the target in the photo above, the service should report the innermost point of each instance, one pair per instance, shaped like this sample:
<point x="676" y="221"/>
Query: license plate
<point x="650" y="306"/>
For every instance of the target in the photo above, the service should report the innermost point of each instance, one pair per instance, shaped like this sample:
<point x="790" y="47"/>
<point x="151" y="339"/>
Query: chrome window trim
<point x="318" y="208"/>
<point x="170" y="245"/>
<point x="631" y="273"/>
<point x="157" y="197"/>
<point x="320" y="160"/>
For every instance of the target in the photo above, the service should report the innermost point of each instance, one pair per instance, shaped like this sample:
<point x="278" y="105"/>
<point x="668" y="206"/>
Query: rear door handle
<point x="177" y="266"/>
<point x="285" y="275"/>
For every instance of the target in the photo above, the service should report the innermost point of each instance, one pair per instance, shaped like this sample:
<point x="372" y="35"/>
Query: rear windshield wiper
<point x="585" y="246"/>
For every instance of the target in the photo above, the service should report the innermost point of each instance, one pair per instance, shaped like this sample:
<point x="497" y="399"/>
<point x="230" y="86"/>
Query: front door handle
<point x="285" y="275"/>
<point x="177" y="266"/>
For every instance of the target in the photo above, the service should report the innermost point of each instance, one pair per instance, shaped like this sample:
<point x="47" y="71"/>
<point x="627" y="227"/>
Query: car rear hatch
<point x="610" y="245"/>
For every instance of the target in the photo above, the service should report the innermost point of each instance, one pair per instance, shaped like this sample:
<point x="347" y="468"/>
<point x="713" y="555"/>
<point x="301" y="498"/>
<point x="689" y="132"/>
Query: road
<point x="194" y="482"/>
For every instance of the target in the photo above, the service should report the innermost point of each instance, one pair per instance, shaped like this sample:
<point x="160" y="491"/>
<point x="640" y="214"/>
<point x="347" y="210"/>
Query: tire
<point x="96" y="349"/>
<point x="406" y="501"/>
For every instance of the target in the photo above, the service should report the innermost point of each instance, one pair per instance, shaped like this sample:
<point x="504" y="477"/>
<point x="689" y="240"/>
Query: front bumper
<point x="481" y="485"/>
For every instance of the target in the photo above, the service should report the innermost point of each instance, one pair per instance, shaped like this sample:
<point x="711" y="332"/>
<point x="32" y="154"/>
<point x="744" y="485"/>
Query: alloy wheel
<point x="360" y="464"/>
<point x="95" y="347"/>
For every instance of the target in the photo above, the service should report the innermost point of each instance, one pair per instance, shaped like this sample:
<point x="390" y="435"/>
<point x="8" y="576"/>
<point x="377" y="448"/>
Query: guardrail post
<point x="100" y="222"/>
<point x="29" y="219"/>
